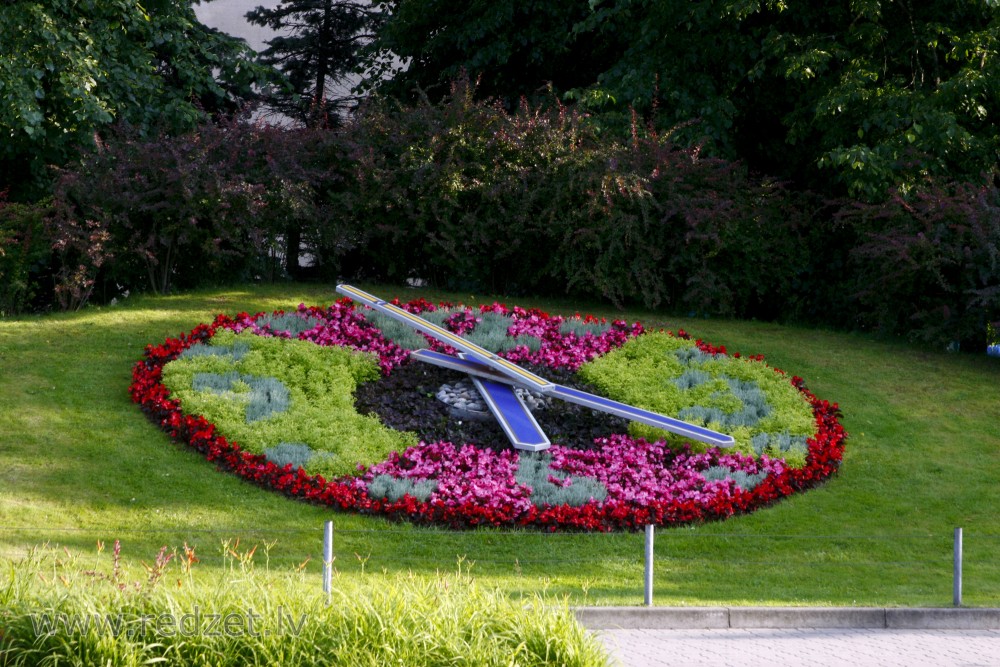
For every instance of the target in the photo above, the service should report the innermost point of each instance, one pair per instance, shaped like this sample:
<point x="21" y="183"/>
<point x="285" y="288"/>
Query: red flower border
<point x="825" y="451"/>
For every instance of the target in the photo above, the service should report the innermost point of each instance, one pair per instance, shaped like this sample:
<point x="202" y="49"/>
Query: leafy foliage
<point x="24" y="254"/>
<point x="173" y="205"/>
<point x="512" y="48"/>
<point x="207" y="206"/>
<point x="72" y="68"/>
<point x="929" y="265"/>
<point x="469" y="196"/>
<point x="847" y="96"/>
<point x="81" y="246"/>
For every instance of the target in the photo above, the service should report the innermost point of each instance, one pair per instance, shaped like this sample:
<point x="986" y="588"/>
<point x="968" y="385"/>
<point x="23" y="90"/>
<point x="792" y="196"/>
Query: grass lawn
<point x="80" y="463"/>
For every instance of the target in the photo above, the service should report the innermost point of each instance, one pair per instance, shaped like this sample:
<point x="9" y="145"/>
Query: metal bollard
<point x="328" y="560"/>
<point x="648" y="583"/>
<point x="957" y="587"/>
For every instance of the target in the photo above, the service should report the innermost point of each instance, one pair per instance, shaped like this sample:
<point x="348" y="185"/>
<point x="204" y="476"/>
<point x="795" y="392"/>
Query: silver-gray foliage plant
<point x="268" y="395"/>
<point x="533" y="471"/>
<point x="236" y="351"/>
<point x="296" y="453"/>
<point x="579" y="328"/>
<point x="401" y="334"/>
<point x="291" y="323"/>
<point x="741" y="478"/>
<point x="393" y="488"/>
<point x="781" y="443"/>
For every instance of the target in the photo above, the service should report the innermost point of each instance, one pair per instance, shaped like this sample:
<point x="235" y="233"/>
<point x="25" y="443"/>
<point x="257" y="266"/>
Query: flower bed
<point x="619" y="480"/>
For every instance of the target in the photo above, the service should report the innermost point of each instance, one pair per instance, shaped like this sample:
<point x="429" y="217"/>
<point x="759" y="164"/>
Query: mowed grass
<point x="80" y="463"/>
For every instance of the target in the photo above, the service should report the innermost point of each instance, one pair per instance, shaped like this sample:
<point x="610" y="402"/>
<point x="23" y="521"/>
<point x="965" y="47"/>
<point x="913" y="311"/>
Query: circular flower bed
<point x="328" y="407"/>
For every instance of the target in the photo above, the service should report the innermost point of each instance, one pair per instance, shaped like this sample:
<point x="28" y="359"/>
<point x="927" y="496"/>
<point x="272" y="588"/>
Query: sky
<point x="227" y="16"/>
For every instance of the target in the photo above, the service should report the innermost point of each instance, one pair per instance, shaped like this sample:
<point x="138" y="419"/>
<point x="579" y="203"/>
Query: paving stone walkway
<point x="819" y="647"/>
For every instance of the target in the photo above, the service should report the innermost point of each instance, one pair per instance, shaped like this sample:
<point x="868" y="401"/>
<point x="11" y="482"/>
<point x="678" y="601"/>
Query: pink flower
<point x="646" y="482"/>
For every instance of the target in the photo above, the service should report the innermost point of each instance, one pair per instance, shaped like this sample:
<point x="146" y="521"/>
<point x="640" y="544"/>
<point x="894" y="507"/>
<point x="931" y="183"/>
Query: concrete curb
<point x="700" y="618"/>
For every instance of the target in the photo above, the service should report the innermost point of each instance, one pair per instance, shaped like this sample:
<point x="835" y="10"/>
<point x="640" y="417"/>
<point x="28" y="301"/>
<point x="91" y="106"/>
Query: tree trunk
<point x="293" y="241"/>
<point x="319" y="104"/>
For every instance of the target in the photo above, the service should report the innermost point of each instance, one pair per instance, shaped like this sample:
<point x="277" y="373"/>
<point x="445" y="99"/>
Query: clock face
<point x="336" y="405"/>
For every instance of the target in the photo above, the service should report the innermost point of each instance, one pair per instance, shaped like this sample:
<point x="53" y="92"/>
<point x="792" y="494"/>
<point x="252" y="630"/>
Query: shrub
<point x="306" y="173"/>
<point x="178" y="209"/>
<point x="82" y="245"/>
<point x="24" y="254"/>
<point x="541" y="200"/>
<point x="223" y="203"/>
<point x="471" y="197"/>
<point x="668" y="226"/>
<point x="453" y="190"/>
<point x="928" y="265"/>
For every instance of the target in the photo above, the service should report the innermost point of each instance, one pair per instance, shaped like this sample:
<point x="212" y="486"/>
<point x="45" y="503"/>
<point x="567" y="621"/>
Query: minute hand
<point x="480" y="354"/>
<point x="677" y="426"/>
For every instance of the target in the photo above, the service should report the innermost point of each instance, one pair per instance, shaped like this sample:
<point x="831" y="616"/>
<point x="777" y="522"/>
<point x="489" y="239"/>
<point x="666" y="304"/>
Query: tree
<point x="512" y="47"/>
<point x="849" y="96"/>
<point x="320" y="50"/>
<point x="864" y="93"/>
<point x="73" y="67"/>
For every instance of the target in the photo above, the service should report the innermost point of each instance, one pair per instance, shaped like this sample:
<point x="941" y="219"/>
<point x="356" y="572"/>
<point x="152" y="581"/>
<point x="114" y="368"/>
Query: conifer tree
<point x="317" y="49"/>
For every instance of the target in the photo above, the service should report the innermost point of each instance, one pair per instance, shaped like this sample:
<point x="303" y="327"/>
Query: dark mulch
<point x="406" y="401"/>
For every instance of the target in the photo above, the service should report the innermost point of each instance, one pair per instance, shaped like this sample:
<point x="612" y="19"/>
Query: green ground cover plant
<point x="742" y="396"/>
<point x="281" y="391"/>
<point x="79" y="463"/>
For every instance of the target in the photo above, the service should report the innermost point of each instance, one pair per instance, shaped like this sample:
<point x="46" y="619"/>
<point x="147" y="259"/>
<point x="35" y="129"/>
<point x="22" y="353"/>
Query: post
<point x="648" y="583"/>
<point x="328" y="559"/>
<point x="957" y="588"/>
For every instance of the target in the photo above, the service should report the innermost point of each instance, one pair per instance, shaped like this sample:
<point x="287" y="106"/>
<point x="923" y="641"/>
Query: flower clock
<point x="336" y="406"/>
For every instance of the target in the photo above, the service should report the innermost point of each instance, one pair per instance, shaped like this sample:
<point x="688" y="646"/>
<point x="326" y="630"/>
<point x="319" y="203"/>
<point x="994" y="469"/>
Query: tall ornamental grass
<point x="57" y="608"/>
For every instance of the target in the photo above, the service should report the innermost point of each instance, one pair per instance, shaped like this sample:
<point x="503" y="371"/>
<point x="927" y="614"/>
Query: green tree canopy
<point x="851" y="95"/>
<point x="514" y="47"/>
<point x="71" y="67"/>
